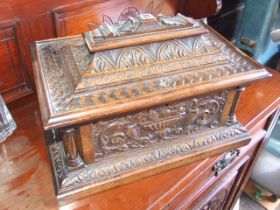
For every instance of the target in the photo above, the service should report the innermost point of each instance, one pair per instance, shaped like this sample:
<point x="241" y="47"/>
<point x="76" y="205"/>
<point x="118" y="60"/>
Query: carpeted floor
<point x="246" y="203"/>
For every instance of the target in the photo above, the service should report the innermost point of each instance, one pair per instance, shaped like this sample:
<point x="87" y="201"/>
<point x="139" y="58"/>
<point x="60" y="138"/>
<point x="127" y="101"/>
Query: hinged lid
<point x="131" y="65"/>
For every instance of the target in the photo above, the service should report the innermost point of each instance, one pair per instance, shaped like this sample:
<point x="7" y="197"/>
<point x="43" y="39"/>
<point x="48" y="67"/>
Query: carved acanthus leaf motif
<point x="140" y="56"/>
<point x="81" y="56"/>
<point x="101" y="64"/>
<point x="172" y="50"/>
<point x="133" y="57"/>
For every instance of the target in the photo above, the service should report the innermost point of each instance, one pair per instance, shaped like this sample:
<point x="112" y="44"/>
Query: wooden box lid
<point x="132" y="65"/>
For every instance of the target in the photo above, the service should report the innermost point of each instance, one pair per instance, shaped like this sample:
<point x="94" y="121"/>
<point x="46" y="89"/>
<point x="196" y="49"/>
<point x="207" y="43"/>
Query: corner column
<point x="72" y="158"/>
<point x="85" y="143"/>
<point x="232" y="116"/>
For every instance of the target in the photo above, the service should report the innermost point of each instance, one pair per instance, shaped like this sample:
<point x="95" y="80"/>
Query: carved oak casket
<point x="129" y="100"/>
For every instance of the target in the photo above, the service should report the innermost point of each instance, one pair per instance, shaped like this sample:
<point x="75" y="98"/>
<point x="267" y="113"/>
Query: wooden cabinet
<point x="215" y="197"/>
<point x="206" y="189"/>
<point x="191" y="189"/>
<point x="209" y="193"/>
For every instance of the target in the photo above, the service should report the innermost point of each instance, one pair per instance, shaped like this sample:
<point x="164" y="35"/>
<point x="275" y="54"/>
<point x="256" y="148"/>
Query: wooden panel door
<point x="14" y="82"/>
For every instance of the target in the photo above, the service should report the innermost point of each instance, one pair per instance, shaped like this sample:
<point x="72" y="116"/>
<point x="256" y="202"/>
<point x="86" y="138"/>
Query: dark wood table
<point x="26" y="181"/>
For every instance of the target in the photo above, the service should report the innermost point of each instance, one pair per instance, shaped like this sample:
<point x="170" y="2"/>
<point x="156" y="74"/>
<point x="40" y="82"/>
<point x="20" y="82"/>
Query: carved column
<point x="73" y="159"/>
<point x="232" y="116"/>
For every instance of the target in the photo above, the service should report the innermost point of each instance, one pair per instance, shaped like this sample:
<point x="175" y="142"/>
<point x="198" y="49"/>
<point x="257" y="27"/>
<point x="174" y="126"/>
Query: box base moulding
<point x="116" y="170"/>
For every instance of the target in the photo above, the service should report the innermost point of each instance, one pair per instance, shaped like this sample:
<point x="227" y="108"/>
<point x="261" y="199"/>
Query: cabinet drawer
<point x="189" y="189"/>
<point x="201" y="178"/>
<point x="215" y="196"/>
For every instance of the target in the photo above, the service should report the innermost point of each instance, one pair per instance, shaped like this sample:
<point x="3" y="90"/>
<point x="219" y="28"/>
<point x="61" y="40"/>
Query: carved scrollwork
<point x="158" y="124"/>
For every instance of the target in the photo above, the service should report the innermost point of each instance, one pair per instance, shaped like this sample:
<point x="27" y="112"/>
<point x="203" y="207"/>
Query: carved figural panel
<point x="165" y="123"/>
<point x="138" y="97"/>
<point x="13" y="79"/>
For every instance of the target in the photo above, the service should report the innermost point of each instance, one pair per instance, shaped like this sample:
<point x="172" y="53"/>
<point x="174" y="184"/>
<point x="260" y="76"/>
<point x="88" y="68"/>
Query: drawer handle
<point x="225" y="161"/>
